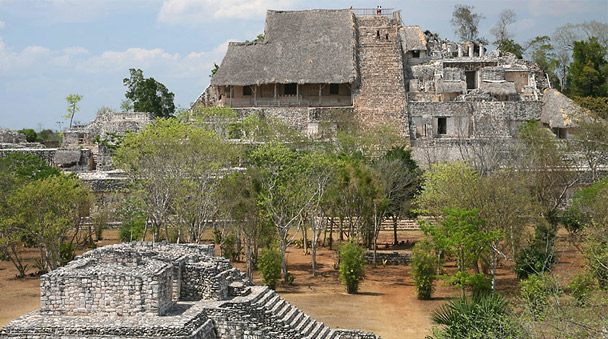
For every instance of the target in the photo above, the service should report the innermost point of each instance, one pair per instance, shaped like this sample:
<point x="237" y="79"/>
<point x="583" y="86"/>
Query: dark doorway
<point x="442" y="125"/>
<point x="471" y="79"/>
<point x="291" y="89"/>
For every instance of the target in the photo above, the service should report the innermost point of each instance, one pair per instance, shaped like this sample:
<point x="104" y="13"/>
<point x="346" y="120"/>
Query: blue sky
<point x="52" y="48"/>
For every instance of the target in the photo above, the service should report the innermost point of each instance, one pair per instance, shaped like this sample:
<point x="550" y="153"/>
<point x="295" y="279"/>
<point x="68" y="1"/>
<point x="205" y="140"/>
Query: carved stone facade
<point x="147" y="290"/>
<point x="398" y="75"/>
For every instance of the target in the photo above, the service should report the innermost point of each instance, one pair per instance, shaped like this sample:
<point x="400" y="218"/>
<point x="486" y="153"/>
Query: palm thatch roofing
<point x="412" y="38"/>
<point x="304" y="47"/>
<point x="559" y="111"/>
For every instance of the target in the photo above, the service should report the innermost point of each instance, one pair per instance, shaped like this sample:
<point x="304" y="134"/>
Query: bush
<point x="229" y="247"/>
<point x="538" y="290"/>
<point x="539" y="257"/>
<point x="596" y="257"/>
<point x="581" y="286"/>
<point x="67" y="251"/>
<point x="352" y="264"/>
<point x="485" y="316"/>
<point x="269" y="264"/>
<point x="132" y="229"/>
<point x="424" y="269"/>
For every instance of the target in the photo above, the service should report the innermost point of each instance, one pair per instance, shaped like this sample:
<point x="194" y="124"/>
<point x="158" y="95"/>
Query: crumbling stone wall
<point x="69" y="159"/>
<point x="8" y="136"/>
<point x="379" y="98"/>
<point x="112" y="122"/>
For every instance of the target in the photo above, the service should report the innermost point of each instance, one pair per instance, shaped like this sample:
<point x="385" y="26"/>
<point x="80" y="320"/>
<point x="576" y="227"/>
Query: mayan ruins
<point x="335" y="67"/>
<point x="146" y="290"/>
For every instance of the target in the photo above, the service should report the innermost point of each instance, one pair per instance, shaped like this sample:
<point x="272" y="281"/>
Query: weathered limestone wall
<point x="118" y="123"/>
<point x="474" y="118"/>
<point x="319" y="121"/>
<point x="11" y="137"/>
<point x="70" y="159"/>
<point x="380" y="97"/>
<point x="98" y="288"/>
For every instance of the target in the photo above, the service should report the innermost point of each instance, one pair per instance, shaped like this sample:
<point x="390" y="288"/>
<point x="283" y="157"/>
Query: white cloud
<point x="193" y="11"/>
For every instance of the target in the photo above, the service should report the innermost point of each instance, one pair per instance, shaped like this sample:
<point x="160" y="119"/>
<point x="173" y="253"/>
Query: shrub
<point x="269" y="264"/>
<point x="539" y="257"/>
<point x="424" y="269"/>
<point x="352" y="264"/>
<point x="538" y="290"/>
<point x="132" y="229"/>
<point x="596" y="257"/>
<point x="67" y="251"/>
<point x="485" y="316"/>
<point x="229" y="247"/>
<point x="581" y="286"/>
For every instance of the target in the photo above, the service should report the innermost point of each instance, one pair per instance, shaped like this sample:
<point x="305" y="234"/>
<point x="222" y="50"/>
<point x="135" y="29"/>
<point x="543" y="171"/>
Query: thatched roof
<point x="558" y="111"/>
<point x="499" y="88"/>
<point x="412" y="38"/>
<point x="313" y="46"/>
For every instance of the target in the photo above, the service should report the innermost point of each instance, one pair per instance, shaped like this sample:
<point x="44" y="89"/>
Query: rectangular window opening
<point x="334" y="89"/>
<point x="442" y="125"/>
<point x="291" y="89"/>
<point x="415" y="54"/>
<point x="247" y="90"/>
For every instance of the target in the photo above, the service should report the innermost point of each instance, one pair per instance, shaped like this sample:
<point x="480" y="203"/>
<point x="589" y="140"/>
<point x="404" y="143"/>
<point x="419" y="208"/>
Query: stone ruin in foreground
<point x="145" y="290"/>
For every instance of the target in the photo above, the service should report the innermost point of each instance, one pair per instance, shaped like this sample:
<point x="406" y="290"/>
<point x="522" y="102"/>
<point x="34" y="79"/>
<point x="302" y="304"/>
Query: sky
<point x="52" y="48"/>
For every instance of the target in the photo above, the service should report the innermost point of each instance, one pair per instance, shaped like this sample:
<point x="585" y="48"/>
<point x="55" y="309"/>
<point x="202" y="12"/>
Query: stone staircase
<point x="277" y="318"/>
<point x="381" y="97"/>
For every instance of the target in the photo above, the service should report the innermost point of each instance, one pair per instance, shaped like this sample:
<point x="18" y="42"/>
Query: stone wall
<point x="143" y="290"/>
<point x="379" y="98"/>
<point x="392" y="258"/>
<point x="75" y="159"/>
<point x="118" y="123"/>
<point x="11" y="137"/>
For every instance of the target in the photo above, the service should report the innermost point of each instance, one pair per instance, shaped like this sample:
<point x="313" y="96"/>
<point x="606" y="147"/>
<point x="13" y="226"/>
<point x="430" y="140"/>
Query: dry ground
<point x="386" y="304"/>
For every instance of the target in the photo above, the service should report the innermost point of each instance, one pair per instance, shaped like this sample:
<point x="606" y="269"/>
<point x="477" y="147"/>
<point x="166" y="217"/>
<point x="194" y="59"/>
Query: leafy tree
<point x="402" y="178"/>
<point x="214" y="70"/>
<point x="73" y="100"/>
<point x="540" y="256"/>
<point x="591" y="140"/>
<point x="148" y="95"/>
<point x="47" y="210"/>
<point x="424" y="269"/>
<point x="542" y="52"/>
<point x="175" y="168"/>
<point x="499" y="31"/>
<point x="352" y="264"/>
<point x="462" y="234"/>
<point x="270" y="267"/>
<point x="509" y="45"/>
<point x="590" y="206"/>
<point x="596" y="106"/>
<point x="466" y="22"/>
<point x="588" y="70"/>
<point x="30" y="135"/>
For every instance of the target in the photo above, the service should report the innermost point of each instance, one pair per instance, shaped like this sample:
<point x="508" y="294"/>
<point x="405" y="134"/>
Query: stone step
<point x="325" y="331"/>
<point x="317" y="330"/>
<point x="263" y="297"/>
<point x="304" y="323"/>
<point x="306" y="330"/>
<point x="278" y="306"/>
<point x="291" y="314"/>
<point x="272" y="301"/>
<point x="296" y="321"/>
<point x="286" y="307"/>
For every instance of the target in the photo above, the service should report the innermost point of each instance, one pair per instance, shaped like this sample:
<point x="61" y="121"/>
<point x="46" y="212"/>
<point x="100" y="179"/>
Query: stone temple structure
<point x="320" y="70"/>
<point x="146" y="290"/>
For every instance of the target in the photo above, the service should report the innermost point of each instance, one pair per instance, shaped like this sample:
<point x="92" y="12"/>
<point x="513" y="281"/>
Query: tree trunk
<point x="283" y="246"/>
<point x="331" y="231"/>
<point x="396" y="242"/>
<point x="249" y="272"/>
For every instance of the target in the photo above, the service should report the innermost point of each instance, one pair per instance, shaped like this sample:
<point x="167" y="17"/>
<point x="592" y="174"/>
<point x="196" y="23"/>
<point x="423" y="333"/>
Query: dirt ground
<point x="386" y="303"/>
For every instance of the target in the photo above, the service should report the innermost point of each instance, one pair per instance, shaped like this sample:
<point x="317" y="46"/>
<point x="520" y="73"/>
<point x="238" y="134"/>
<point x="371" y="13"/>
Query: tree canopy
<point x="148" y="95"/>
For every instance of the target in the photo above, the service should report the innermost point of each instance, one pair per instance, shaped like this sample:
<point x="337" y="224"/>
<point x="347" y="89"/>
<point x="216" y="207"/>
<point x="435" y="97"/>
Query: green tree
<point x="542" y="52"/>
<point x="48" y="210"/>
<point x="148" y="95"/>
<point x="270" y="267"/>
<point x="175" y="168"/>
<point x="352" y="266"/>
<point x="509" y="45"/>
<point x="73" y="100"/>
<point x="30" y="135"/>
<point x="424" y="269"/>
<point x="588" y="70"/>
<point x="463" y="235"/>
<point x="503" y="40"/>
<point x="466" y="23"/>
